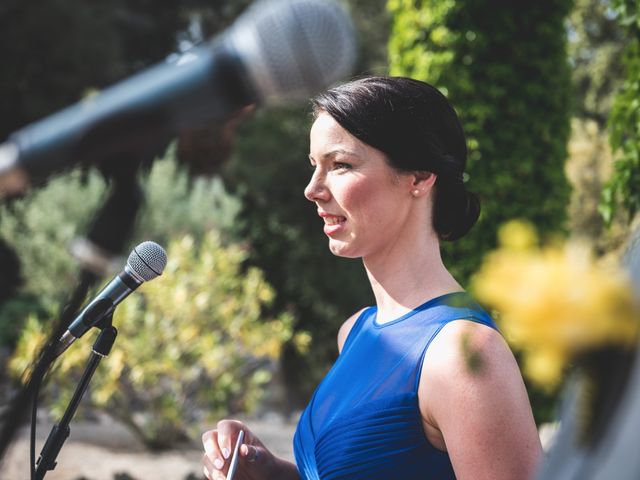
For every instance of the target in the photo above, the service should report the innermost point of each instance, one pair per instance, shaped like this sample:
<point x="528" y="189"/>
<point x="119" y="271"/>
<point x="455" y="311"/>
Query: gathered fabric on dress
<point x="363" y="421"/>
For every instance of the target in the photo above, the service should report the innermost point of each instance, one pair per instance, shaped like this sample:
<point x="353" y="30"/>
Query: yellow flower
<point x="545" y="367"/>
<point x="517" y="235"/>
<point x="555" y="302"/>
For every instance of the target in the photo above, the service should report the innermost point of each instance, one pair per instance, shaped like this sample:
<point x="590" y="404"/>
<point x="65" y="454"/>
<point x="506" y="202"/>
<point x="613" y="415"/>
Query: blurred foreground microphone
<point x="145" y="263"/>
<point x="277" y="50"/>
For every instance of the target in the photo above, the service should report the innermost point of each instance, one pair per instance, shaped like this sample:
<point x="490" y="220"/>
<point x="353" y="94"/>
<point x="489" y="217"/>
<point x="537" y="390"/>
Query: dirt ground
<point x="101" y="450"/>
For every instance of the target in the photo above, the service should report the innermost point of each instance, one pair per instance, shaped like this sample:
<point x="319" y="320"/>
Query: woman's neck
<point x="407" y="276"/>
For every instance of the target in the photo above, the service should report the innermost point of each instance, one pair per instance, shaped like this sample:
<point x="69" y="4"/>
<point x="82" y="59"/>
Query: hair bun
<point x="455" y="212"/>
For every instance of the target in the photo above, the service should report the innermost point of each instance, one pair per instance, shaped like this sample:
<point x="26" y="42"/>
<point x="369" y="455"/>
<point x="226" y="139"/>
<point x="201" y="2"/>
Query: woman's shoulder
<point x="346" y="327"/>
<point x="471" y="388"/>
<point x="468" y="366"/>
<point x="467" y="349"/>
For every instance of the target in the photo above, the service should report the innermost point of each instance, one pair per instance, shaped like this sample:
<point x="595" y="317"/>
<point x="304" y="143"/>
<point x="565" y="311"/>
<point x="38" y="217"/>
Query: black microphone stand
<point x="60" y="432"/>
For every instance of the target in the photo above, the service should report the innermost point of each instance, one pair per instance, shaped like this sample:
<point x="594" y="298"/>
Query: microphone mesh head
<point x="292" y="49"/>
<point x="147" y="260"/>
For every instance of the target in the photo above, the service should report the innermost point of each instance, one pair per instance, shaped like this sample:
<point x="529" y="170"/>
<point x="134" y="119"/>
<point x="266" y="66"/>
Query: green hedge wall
<point x="504" y="67"/>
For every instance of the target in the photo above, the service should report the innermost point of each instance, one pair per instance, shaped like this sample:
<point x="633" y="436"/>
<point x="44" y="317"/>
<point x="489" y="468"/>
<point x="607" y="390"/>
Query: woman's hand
<point x="255" y="461"/>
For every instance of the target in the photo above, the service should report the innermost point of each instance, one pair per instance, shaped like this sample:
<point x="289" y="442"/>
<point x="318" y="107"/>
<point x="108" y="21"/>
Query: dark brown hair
<point x="416" y="127"/>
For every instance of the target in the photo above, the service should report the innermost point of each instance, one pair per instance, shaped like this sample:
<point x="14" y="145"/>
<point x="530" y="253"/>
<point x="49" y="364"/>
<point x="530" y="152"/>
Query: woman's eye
<point x="341" y="166"/>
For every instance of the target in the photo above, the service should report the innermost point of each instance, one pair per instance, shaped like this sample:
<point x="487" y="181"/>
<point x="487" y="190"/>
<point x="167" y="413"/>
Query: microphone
<point x="277" y="50"/>
<point x="145" y="263"/>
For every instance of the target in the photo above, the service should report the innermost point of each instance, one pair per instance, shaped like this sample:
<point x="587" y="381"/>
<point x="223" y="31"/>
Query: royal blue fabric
<point x="363" y="421"/>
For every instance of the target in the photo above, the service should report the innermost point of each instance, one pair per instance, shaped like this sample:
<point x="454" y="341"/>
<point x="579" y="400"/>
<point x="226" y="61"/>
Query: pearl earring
<point x="415" y="192"/>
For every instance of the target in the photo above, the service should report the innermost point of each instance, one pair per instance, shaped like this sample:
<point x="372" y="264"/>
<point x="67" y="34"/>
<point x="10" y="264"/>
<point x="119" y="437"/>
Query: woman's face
<point x="365" y="204"/>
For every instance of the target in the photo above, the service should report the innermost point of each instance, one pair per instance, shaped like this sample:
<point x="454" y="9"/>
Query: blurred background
<point x="244" y="320"/>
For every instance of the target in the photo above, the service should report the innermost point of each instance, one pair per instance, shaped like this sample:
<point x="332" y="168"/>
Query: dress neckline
<point x="429" y="303"/>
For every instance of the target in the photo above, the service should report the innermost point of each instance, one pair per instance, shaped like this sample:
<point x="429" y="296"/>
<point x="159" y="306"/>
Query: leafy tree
<point x="622" y="193"/>
<point x="595" y="46"/>
<point x="177" y="204"/>
<point x="40" y="228"/>
<point x="588" y="166"/>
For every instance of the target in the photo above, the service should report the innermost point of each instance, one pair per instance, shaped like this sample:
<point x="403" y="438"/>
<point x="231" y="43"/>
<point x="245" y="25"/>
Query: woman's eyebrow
<point x="334" y="152"/>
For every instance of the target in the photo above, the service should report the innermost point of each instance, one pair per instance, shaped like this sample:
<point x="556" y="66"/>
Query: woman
<point x="388" y="156"/>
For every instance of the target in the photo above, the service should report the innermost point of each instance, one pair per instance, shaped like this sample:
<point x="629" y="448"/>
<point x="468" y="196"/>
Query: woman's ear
<point x="423" y="183"/>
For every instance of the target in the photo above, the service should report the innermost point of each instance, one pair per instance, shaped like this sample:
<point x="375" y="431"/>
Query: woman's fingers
<point x="219" y="445"/>
<point x="214" y="457"/>
<point x="228" y="431"/>
<point x="211" y="472"/>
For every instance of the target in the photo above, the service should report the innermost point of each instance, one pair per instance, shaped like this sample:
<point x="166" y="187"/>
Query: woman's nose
<point x="316" y="190"/>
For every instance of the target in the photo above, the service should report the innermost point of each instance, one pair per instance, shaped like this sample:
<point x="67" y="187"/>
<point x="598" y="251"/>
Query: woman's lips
<point x="332" y="223"/>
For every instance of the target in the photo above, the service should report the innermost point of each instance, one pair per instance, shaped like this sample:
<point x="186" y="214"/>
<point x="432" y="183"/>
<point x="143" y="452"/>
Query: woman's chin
<point x="342" y="249"/>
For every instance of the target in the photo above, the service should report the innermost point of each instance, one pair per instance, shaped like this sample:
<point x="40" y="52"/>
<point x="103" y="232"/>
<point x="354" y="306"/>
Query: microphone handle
<point x="206" y="83"/>
<point x="91" y="316"/>
<point x="101" y="307"/>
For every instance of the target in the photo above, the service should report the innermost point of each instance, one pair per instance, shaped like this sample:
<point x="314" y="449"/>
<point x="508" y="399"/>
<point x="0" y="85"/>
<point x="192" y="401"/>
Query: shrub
<point x="41" y="226"/>
<point x="191" y="346"/>
<point x="192" y="342"/>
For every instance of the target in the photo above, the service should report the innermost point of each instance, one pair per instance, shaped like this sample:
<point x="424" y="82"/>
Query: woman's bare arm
<point x="481" y="417"/>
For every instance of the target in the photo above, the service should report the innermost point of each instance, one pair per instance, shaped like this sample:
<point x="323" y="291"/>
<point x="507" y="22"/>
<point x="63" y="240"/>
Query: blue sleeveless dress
<point x="363" y="421"/>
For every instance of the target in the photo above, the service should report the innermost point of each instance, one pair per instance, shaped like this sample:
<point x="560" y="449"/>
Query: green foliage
<point x="372" y="22"/>
<point x="176" y="204"/>
<point x="596" y="43"/>
<point x="622" y="192"/>
<point x="15" y="313"/>
<point x="41" y="226"/>
<point x="505" y="70"/>
<point x="192" y="344"/>
<point x="589" y="165"/>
